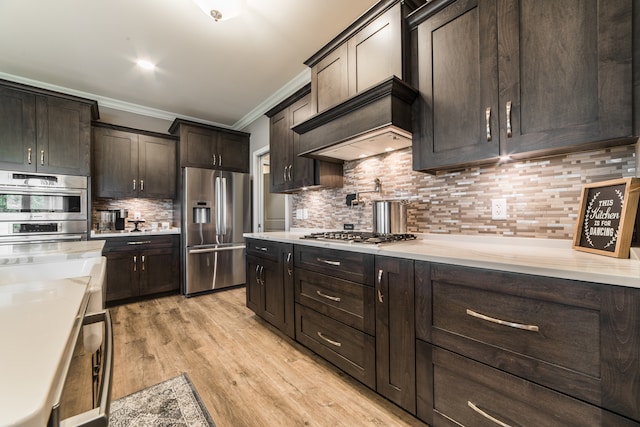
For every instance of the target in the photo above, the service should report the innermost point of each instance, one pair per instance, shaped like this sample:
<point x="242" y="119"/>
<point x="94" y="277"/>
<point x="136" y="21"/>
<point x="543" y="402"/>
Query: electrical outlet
<point x="299" y="214"/>
<point x="498" y="208"/>
<point x="305" y="213"/>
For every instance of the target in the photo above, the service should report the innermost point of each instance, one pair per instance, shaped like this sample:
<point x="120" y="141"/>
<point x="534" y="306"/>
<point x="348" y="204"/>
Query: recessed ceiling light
<point x="146" y="65"/>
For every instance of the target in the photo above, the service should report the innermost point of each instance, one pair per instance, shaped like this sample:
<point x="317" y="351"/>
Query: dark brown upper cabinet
<point x="288" y="171"/>
<point x="211" y="147"/>
<point x="130" y="163"/>
<point x="44" y="131"/>
<point x="367" y="52"/>
<point x="519" y="78"/>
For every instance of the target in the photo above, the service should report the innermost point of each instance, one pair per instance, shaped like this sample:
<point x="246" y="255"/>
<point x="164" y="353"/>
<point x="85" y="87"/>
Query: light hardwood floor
<point x="246" y="372"/>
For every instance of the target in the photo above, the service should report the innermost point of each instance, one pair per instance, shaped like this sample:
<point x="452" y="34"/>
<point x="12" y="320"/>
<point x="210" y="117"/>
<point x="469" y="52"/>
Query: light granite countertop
<point x="542" y="257"/>
<point x="45" y="289"/>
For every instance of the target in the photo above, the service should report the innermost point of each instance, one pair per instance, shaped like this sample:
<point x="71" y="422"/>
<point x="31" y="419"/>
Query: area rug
<point x="173" y="402"/>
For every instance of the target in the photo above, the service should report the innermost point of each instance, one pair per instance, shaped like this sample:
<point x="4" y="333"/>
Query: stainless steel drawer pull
<point x="488" y="116"/>
<point x="262" y="248"/>
<point x="142" y="242"/>
<point x="329" y="297"/>
<point x="332" y="342"/>
<point x="487" y="416"/>
<point x="532" y="328"/>
<point x="326" y="261"/>
<point x="509" y="131"/>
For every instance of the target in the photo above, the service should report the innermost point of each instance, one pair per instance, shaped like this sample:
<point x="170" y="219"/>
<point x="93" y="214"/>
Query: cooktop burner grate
<point x="359" y="237"/>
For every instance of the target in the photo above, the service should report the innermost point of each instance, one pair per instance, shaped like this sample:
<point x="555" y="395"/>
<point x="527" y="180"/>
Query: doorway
<point x="271" y="208"/>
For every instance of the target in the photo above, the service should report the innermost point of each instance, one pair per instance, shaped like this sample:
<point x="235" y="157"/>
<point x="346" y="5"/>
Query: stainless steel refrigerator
<point x="215" y="213"/>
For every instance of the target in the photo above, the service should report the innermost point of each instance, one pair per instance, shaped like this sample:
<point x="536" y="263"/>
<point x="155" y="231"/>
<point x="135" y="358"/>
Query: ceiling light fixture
<point x="219" y="10"/>
<point x="147" y="65"/>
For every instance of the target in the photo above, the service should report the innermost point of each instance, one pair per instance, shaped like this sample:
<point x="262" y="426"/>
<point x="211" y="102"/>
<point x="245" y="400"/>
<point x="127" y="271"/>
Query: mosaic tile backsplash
<point x="151" y="210"/>
<point x="542" y="195"/>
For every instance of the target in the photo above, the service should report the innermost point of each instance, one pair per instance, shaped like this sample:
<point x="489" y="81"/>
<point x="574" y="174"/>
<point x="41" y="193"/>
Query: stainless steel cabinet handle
<point x="262" y="248"/>
<point x="289" y="269"/>
<point x="142" y="185"/>
<point x="142" y="262"/>
<point x="532" y="328"/>
<point x="258" y="274"/>
<point x="213" y="159"/>
<point x="332" y="342"/>
<point x="289" y="173"/>
<point x="284" y="173"/>
<point x="488" y="116"/>
<point x="142" y="242"/>
<point x="42" y="157"/>
<point x="134" y="185"/>
<point x="29" y="155"/>
<point x="487" y="416"/>
<point x="329" y="297"/>
<point x="135" y="263"/>
<point x="327" y="261"/>
<point x="509" y="131"/>
<point x="380" y="297"/>
<point x="380" y="273"/>
<point x="262" y="274"/>
<point x="219" y="159"/>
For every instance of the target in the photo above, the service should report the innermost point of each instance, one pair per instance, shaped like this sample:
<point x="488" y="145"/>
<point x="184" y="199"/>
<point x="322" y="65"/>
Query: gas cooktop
<point x="359" y="237"/>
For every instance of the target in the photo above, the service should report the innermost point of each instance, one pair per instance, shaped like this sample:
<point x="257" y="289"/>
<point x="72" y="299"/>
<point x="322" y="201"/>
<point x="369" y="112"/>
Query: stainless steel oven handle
<point x="206" y="250"/>
<point x="98" y="417"/>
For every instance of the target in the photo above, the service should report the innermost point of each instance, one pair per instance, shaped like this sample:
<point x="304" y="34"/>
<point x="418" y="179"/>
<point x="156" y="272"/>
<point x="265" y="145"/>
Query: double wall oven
<point x="42" y="208"/>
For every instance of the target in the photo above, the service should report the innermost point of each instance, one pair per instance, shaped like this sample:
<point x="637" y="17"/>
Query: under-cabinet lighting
<point x="505" y="158"/>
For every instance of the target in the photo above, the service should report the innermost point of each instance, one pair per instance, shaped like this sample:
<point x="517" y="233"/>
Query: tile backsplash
<point x="151" y="210"/>
<point x="542" y="195"/>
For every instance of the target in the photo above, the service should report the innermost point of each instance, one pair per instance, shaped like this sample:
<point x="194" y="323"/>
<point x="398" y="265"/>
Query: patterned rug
<point x="173" y="402"/>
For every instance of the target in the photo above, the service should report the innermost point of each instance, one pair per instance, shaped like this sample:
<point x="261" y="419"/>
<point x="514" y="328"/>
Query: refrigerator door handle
<point x="206" y="250"/>
<point x="223" y="205"/>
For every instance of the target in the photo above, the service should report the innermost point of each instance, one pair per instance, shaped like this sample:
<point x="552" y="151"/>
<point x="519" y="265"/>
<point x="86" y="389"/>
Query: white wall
<point x="259" y="130"/>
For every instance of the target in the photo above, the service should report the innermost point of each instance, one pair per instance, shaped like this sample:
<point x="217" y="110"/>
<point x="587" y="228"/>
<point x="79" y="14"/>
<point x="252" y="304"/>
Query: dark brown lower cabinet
<point x="269" y="284"/>
<point x="395" y="331"/>
<point x="525" y="350"/>
<point x="140" y="266"/>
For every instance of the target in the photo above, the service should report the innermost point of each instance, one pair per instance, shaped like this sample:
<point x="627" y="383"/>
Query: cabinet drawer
<point x="133" y="243"/>
<point x="264" y="248"/>
<point x="354" y="266"/>
<point x="348" y="302"/>
<point x="351" y="350"/>
<point x="471" y="393"/>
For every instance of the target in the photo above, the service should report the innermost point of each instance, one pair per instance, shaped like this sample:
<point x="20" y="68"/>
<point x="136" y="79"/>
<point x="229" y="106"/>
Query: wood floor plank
<point x="246" y="372"/>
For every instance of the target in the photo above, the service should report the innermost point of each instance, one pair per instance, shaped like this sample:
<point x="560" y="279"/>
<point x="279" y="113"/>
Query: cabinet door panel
<point x="64" y="136"/>
<point x="273" y="293"/>
<point x="157" y="167"/>
<point x="457" y="78"/>
<point x="233" y="152"/>
<point x="331" y="80"/>
<point x="116" y="163"/>
<point x="159" y="270"/>
<point x="17" y="130"/>
<point x="567" y="73"/>
<point x="303" y="169"/>
<point x="395" y="331"/>
<point x="253" y="285"/>
<point x="279" y="150"/>
<point x="381" y="38"/>
<point x="122" y="276"/>
<point x="196" y="148"/>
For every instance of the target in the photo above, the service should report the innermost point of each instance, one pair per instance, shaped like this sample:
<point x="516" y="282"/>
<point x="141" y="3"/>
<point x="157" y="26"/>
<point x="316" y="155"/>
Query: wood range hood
<point x="369" y="123"/>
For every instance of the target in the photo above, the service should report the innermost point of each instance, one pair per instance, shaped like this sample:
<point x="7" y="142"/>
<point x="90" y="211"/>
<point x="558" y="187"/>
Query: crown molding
<point x="285" y="91"/>
<point x="296" y="83"/>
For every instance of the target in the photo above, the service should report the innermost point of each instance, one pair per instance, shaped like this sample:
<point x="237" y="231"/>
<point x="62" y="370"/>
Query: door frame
<point x="258" y="195"/>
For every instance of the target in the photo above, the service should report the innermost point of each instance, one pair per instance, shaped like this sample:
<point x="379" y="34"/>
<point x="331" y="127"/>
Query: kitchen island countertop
<point x="44" y="292"/>
<point x="542" y="257"/>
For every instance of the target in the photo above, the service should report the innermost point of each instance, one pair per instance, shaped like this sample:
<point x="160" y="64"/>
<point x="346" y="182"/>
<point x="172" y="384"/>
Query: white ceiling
<point x="224" y="73"/>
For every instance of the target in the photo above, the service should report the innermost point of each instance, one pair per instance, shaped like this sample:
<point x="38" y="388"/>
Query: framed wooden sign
<point x="607" y="216"/>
